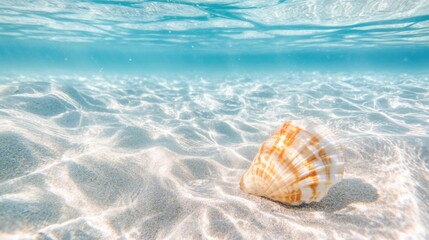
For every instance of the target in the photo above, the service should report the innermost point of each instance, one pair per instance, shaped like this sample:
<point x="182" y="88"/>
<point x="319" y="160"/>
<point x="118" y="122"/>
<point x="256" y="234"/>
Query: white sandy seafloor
<point x="105" y="157"/>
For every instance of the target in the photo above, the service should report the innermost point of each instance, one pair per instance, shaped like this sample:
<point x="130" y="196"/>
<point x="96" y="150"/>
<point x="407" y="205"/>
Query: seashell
<point x="298" y="163"/>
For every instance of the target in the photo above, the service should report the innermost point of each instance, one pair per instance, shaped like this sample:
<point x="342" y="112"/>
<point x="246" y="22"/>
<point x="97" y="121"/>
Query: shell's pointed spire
<point x="297" y="164"/>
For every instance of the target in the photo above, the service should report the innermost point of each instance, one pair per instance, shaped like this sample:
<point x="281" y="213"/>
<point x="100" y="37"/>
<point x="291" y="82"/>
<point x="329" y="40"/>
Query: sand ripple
<point x="161" y="157"/>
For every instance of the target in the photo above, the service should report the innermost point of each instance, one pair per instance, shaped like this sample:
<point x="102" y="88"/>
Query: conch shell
<point x="298" y="163"/>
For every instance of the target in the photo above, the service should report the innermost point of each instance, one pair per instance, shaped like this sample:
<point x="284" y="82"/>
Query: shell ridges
<point x="298" y="163"/>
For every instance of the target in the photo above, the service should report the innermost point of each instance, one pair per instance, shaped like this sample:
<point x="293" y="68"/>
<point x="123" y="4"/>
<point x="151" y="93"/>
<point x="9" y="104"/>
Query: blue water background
<point x="148" y="36"/>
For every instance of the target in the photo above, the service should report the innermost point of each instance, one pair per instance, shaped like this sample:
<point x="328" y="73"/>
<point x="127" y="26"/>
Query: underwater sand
<point x="150" y="157"/>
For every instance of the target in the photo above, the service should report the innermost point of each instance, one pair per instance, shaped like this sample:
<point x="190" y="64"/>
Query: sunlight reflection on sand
<point x="151" y="157"/>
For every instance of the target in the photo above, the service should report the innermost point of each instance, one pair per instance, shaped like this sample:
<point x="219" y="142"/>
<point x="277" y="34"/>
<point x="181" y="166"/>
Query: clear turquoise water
<point x="136" y="119"/>
<point x="142" y="36"/>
